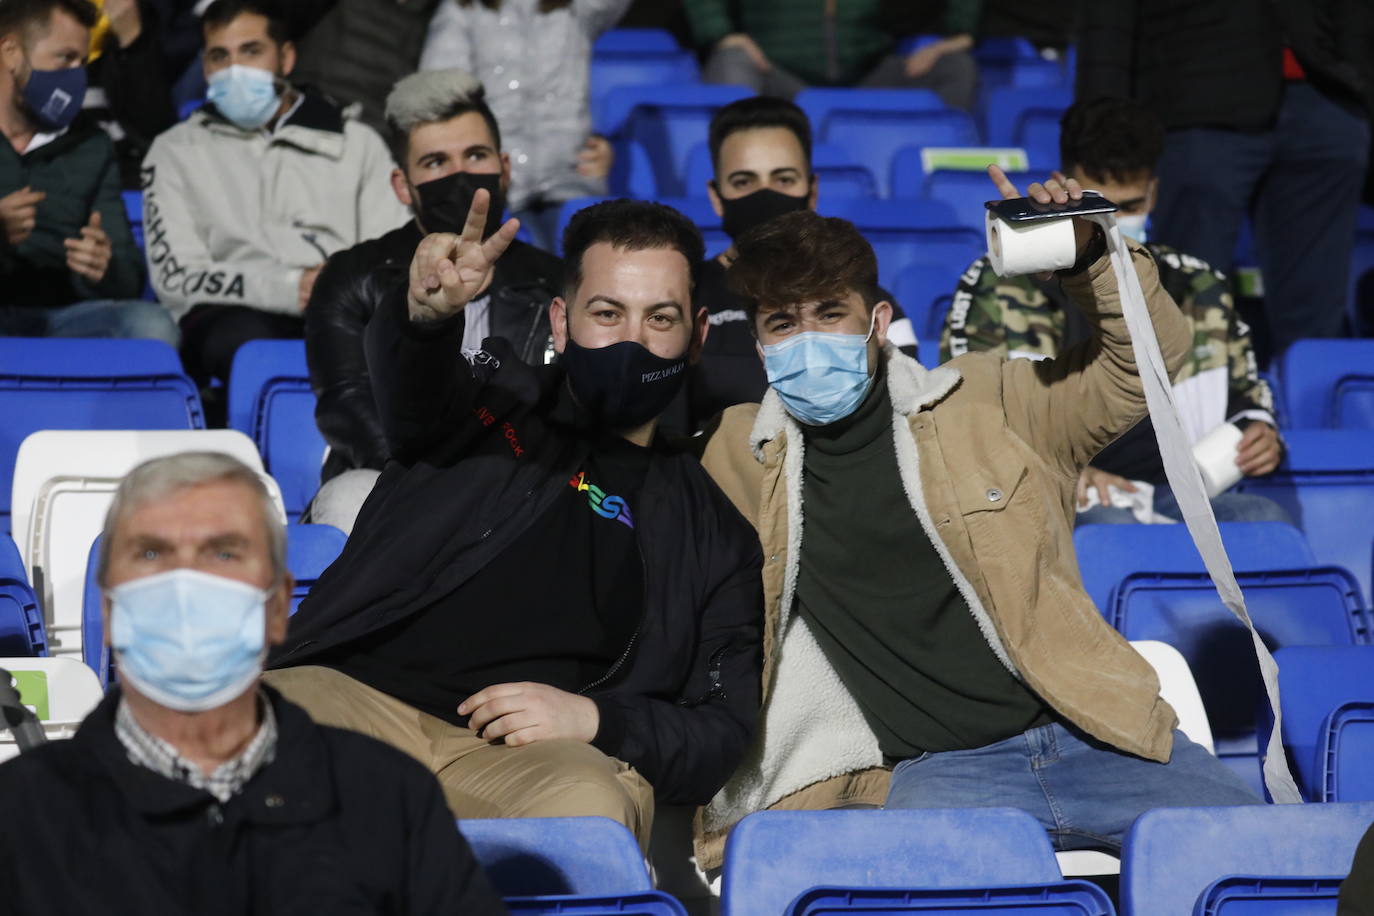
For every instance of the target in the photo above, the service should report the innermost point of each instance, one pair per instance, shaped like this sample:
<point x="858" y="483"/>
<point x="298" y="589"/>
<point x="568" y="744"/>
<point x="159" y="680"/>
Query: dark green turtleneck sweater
<point x="883" y="606"/>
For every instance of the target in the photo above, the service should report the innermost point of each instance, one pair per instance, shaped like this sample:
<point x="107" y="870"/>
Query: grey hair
<point x="159" y="477"/>
<point x="431" y="96"/>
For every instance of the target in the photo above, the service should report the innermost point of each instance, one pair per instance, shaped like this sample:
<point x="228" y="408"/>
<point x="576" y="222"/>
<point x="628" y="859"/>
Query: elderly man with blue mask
<point x="192" y="788"/>
<point x="246" y="199"/>
<point x="931" y="643"/>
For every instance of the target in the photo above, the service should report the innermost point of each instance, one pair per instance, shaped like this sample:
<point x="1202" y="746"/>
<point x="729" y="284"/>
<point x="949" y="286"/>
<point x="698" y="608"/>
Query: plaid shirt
<point x="227" y="780"/>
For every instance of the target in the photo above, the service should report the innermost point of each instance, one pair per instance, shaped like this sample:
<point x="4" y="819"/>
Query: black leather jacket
<point x="346" y="295"/>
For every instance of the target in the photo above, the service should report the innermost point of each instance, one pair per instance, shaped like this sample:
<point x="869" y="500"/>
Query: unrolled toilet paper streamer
<point x="1040" y="246"/>
<point x="1215" y="455"/>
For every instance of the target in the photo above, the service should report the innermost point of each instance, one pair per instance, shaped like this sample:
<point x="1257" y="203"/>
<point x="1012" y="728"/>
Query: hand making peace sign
<point x="449" y="270"/>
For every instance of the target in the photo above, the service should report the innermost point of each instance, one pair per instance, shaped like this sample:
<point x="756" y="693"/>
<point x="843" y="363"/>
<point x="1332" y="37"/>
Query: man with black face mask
<point x="761" y="150"/>
<point x="68" y="263"/>
<point x="446" y="144"/>
<point x="555" y="613"/>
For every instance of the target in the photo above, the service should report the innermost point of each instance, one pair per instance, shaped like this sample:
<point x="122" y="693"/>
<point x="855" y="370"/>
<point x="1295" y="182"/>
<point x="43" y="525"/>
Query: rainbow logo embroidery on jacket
<point x="612" y="507"/>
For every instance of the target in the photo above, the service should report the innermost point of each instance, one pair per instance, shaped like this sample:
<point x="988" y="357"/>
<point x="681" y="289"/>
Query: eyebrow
<point x="741" y="173"/>
<point x="656" y="307"/>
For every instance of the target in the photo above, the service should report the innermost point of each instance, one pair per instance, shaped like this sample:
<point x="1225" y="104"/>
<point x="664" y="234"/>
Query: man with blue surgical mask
<point x="192" y="788"/>
<point x="246" y="199"/>
<point x="68" y="263"/>
<point x="933" y="644"/>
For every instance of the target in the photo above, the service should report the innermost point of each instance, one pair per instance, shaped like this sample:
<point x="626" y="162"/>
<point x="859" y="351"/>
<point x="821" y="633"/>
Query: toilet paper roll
<point x="1215" y="454"/>
<point x="1017" y="249"/>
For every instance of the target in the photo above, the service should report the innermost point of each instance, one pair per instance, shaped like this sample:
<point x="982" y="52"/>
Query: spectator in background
<point x="447" y="145"/>
<point x="1112" y="145"/>
<point x="354" y="51"/>
<point x="130" y="92"/>
<point x="761" y="151"/>
<point x="192" y="788"/>
<point x="1266" y="107"/>
<point x="68" y="263"/>
<point x="554" y="613"/>
<point x="244" y="201"/>
<point x="779" y="47"/>
<point x="534" y="58"/>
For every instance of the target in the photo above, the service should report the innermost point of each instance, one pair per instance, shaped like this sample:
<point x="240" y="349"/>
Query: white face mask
<point x="1133" y="225"/>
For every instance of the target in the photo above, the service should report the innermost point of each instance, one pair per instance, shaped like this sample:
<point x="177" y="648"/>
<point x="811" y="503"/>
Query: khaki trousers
<point x="561" y="778"/>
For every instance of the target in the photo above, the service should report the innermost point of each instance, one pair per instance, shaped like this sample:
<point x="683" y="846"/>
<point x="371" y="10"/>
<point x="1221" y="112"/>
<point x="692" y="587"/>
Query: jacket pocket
<point x="990" y="489"/>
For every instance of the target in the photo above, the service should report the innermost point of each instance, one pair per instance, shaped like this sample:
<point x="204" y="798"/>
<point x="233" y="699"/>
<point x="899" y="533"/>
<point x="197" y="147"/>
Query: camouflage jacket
<point x="1024" y="317"/>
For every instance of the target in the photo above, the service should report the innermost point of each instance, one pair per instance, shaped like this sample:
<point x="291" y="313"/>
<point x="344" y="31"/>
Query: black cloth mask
<point x="444" y="202"/>
<point x="623" y="385"/>
<point x="744" y="213"/>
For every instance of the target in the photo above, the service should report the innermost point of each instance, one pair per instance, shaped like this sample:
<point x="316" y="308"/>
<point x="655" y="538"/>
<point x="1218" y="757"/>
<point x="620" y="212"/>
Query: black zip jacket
<point x="346" y="294"/>
<point x="479" y="452"/>
<point x="337" y="823"/>
<point x="1219" y="63"/>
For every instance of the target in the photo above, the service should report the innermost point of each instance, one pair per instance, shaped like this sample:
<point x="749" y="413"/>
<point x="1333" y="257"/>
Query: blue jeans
<point x="1085" y="793"/>
<point x="1300" y="184"/>
<point x="123" y="318"/>
<point x="1228" y="507"/>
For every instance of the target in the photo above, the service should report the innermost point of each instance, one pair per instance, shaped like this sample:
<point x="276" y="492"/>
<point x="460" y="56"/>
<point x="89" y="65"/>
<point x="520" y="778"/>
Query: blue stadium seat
<point x="632" y="175"/>
<point x="271" y="402"/>
<point x="53" y="383"/>
<point x="698" y="210"/>
<point x="1174" y="857"/>
<point x="925" y="291"/>
<point x="21" y="621"/>
<point x="839" y="176"/>
<point x="646" y="903"/>
<point x="873" y="124"/>
<point x="566" y="211"/>
<point x="968" y="192"/>
<point x="541" y="856"/>
<point x="774" y="856"/>
<point x="310" y="549"/>
<point x="1308" y="607"/>
<point x="133" y="209"/>
<point x="613" y="69"/>
<point x="188" y="108"/>
<point x="1016" y="62"/>
<point x="1327" y="485"/>
<point x="1109" y="553"/>
<point x="666" y="120"/>
<point x="1014" y="114"/>
<point x="635" y="41"/>
<point x="1360" y="285"/>
<point x="1328" y="384"/>
<point x="1064" y="898"/>
<point x="905" y="232"/>
<point x="1316" y="682"/>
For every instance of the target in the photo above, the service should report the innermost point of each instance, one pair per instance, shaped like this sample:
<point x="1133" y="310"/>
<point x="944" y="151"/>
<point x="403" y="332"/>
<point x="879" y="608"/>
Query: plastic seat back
<point x="926" y="292"/>
<point x="271" y="402"/>
<point x="644" y="903"/>
<point x="1172" y="856"/>
<point x="644" y="42"/>
<point x="1010" y="111"/>
<point x="1060" y="898"/>
<point x="21" y="620"/>
<point x="906" y="232"/>
<point x="55" y="383"/>
<point x="838" y="175"/>
<point x="60" y="691"/>
<point x="67" y="480"/>
<point x="542" y="856"/>
<point x="611" y="70"/>
<point x="1315" y="681"/>
<point x="1327" y="485"/>
<point x="310" y="550"/>
<point x="967" y="192"/>
<point x="773" y="856"/>
<point x="1109" y="553"/>
<point x="1329" y="384"/>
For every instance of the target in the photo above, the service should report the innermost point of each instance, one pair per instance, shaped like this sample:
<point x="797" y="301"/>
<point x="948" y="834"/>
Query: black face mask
<point x="444" y="202"/>
<point x="744" y="213"/>
<point x="623" y="385"/>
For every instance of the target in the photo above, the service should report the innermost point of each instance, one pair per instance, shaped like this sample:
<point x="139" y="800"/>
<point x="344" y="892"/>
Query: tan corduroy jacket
<point x="989" y="452"/>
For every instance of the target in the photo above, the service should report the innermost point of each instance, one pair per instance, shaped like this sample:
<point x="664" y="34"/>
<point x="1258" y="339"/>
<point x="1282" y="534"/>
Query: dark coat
<point x="79" y="174"/>
<point x="337" y="823"/>
<point x="1218" y="63"/>
<point x="479" y="452"/>
<point x="346" y="294"/>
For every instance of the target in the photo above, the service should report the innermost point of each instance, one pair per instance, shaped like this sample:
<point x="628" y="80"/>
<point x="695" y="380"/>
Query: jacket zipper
<point x="644" y="572"/>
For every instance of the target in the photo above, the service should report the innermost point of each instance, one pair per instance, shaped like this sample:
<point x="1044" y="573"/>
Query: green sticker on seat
<point x="33" y="691"/>
<point x="973" y="158"/>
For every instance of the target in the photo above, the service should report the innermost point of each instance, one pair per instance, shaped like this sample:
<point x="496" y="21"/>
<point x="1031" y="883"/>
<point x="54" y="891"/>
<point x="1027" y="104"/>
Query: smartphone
<point x="1025" y="210"/>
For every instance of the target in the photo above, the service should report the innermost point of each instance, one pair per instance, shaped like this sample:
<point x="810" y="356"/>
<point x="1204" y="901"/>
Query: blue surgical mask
<point x="1133" y="225"/>
<point x="820" y="377"/>
<point x="188" y="640"/>
<point x="54" y="97"/>
<point x="247" y="96"/>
